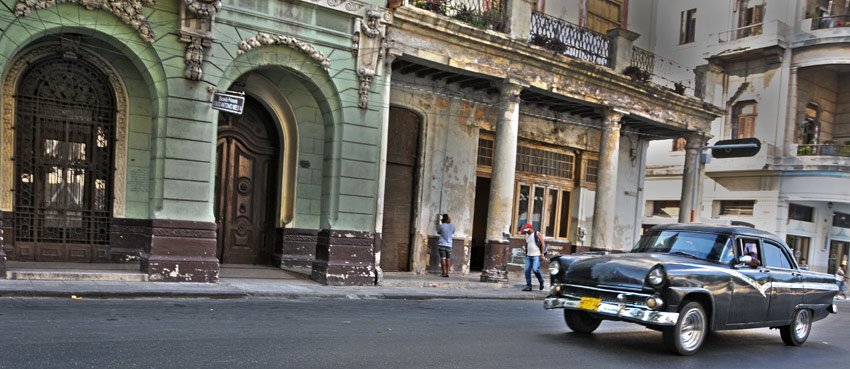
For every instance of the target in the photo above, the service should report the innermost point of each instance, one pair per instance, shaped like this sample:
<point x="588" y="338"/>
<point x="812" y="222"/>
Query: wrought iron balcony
<point x="648" y="67"/>
<point x="568" y="39"/>
<point x="835" y="21"/>
<point x="483" y="14"/>
<point x="824" y="150"/>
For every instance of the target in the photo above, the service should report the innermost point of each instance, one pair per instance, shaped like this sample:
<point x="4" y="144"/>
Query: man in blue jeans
<point x="535" y="249"/>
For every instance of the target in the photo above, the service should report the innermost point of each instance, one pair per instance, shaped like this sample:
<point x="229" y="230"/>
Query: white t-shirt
<point x="839" y="275"/>
<point x="531" y="246"/>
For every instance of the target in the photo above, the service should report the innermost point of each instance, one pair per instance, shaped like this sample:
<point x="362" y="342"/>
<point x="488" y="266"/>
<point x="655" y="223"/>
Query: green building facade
<point x="112" y="151"/>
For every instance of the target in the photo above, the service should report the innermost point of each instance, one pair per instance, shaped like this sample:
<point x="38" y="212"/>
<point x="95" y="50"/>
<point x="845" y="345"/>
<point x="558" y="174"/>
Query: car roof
<point x="714" y="228"/>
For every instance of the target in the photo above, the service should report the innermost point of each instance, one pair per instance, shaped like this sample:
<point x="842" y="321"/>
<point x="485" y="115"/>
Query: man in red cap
<point x="535" y="249"/>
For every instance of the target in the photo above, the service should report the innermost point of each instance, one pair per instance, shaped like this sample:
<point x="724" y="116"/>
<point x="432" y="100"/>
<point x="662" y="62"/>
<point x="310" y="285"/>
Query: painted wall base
<point x="181" y="251"/>
<point x="344" y="258"/>
<point x="298" y="248"/>
<point x="2" y="253"/>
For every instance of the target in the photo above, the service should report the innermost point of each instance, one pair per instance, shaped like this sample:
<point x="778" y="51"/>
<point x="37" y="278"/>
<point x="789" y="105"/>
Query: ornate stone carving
<point x="348" y="5"/>
<point x="197" y="18"/>
<point x="194" y="59"/>
<point x="265" y="39"/>
<point x="130" y="11"/>
<point x="368" y="46"/>
<point x="10" y="80"/>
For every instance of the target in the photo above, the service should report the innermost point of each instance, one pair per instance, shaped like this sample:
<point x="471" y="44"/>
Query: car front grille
<point x="632" y="299"/>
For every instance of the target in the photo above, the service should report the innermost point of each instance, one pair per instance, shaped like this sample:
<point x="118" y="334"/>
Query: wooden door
<point x="402" y="156"/>
<point x="245" y="167"/>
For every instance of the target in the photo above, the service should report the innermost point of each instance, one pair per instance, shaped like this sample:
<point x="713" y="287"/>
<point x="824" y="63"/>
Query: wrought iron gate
<point x="64" y="136"/>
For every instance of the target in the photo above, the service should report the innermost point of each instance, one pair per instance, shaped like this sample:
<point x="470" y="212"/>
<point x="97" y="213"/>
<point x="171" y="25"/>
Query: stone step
<point x="77" y="275"/>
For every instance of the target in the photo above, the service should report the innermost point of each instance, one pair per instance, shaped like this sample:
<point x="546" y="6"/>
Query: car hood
<point x="619" y="270"/>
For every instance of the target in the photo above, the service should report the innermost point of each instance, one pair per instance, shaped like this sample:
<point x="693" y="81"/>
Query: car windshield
<point x="708" y="246"/>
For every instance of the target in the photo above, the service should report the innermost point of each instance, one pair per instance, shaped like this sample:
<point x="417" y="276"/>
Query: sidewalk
<point x="238" y="282"/>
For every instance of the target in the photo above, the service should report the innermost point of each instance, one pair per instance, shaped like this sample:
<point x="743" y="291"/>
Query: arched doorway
<point x="65" y="118"/>
<point x="245" y="185"/>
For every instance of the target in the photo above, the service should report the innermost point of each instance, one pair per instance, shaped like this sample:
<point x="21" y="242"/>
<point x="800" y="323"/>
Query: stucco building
<point x="782" y="70"/>
<point x="362" y="121"/>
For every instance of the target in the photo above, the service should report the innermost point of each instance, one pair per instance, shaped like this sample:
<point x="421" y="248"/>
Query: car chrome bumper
<point x="635" y="314"/>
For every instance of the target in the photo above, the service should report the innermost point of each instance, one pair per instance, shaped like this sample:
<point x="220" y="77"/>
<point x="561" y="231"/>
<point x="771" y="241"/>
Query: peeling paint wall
<point x="452" y="122"/>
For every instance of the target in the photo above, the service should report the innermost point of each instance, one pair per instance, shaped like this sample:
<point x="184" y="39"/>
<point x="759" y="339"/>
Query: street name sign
<point x="228" y="102"/>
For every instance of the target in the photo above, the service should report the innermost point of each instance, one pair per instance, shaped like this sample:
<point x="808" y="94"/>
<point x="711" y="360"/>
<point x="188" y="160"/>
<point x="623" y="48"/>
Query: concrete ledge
<point x="81" y="275"/>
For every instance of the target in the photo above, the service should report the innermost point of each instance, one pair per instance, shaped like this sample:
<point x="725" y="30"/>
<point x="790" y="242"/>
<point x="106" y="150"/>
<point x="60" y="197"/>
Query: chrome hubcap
<point x="801" y="325"/>
<point x="693" y="328"/>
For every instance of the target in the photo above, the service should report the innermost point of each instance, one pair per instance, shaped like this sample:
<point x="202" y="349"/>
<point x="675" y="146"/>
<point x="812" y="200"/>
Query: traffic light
<point x="742" y="147"/>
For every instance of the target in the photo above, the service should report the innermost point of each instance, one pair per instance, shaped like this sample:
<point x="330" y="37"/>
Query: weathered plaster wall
<point x="631" y="171"/>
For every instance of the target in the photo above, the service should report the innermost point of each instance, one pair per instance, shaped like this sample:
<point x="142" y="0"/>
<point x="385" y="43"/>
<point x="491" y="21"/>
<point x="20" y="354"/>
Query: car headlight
<point x="654" y="302"/>
<point x="554" y="267"/>
<point x="657" y="277"/>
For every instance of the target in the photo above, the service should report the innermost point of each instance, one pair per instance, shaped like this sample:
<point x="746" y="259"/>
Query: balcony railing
<point x="834" y="21"/>
<point x="568" y="39"/>
<point x="483" y="14"/>
<point x="743" y="32"/>
<point x="646" y="66"/>
<point x="824" y="150"/>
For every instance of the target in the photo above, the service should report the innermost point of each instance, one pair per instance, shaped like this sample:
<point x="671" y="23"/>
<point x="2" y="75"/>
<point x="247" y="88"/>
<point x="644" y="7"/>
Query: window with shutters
<point x="687" y="26"/>
<point x="603" y="15"/>
<point x="737" y="207"/>
<point x="744" y="120"/>
<point x="750" y="17"/>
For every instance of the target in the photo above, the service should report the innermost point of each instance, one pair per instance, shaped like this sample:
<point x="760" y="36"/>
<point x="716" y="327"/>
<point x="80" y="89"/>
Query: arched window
<point x="744" y="120"/>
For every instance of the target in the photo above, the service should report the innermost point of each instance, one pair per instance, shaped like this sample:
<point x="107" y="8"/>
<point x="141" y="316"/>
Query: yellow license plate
<point x="589" y="303"/>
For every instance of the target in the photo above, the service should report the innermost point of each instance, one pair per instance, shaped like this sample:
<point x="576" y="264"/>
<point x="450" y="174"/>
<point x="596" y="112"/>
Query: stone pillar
<point x="694" y="142"/>
<point x="344" y="258"/>
<point x="622" y="40"/>
<point x="518" y="19"/>
<point x="791" y="115"/>
<point x="605" y="204"/>
<point x="707" y="78"/>
<point x="181" y="251"/>
<point x="502" y="184"/>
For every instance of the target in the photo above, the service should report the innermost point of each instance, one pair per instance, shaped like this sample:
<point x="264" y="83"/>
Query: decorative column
<point x="502" y="183"/>
<point x="604" y="206"/>
<point x="382" y="163"/>
<point x="694" y="142"/>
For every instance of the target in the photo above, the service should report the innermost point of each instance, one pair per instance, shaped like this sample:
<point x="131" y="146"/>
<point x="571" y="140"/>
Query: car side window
<point x="748" y="246"/>
<point x="781" y="256"/>
<point x="774" y="257"/>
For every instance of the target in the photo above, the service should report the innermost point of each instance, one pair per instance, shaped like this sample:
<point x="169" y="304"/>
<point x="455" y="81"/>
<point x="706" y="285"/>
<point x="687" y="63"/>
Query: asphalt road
<point x="54" y="333"/>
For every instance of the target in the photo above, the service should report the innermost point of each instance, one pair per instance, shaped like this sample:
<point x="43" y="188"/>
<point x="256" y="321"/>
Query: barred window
<point x="485" y="152"/>
<point x="544" y="162"/>
<point x="737" y="207"/>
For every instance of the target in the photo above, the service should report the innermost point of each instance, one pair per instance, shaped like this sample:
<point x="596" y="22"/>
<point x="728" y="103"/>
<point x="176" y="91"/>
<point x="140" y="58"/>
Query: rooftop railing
<point x="483" y="14"/>
<point x="568" y="39"/>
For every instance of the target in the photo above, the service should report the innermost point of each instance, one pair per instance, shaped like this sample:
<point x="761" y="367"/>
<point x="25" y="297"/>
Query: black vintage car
<point x="687" y="280"/>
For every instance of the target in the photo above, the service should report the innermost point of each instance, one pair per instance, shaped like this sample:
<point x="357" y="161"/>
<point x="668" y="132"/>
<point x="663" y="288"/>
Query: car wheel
<point x="581" y="322"/>
<point x="798" y="331"/>
<point x="690" y="331"/>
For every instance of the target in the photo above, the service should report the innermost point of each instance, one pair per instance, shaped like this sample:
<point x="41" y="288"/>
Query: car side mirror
<point x="746" y="259"/>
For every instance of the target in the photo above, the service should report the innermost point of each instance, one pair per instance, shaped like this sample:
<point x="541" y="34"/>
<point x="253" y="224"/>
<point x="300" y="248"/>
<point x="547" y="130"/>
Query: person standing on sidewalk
<point x="842" y="282"/>
<point x="445" y="229"/>
<point x="535" y="249"/>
